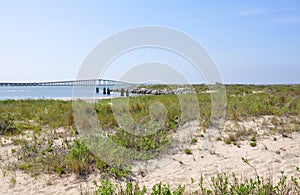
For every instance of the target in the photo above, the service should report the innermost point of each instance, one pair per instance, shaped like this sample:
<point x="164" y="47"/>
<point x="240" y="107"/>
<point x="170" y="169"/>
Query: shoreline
<point x="64" y="98"/>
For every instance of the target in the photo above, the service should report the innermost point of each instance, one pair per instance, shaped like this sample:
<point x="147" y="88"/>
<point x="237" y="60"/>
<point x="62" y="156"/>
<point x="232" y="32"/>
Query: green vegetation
<point x="227" y="141"/>
<point x="215" y="185"/>
<point x="188" y="151"/>
<point x="221" y="183"/>
<point x="224" y="184"/>
<point x="7" y="124"/>
<point x="253" y="144"/>
<point x="274" y="100"/>
<point x="42" y="155"/>
<point x="194" y="140"/>
<point x="108" y="188"/>
<point x="37" y="113"/>
<point x="41" y="148"/>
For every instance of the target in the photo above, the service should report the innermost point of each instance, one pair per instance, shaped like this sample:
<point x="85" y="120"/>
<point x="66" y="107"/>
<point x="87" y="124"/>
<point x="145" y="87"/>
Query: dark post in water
<point x="122" y="92"/>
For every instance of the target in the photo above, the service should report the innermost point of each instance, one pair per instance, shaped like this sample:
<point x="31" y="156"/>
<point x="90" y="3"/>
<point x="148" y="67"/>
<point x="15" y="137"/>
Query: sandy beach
<point x="273" y="155"/>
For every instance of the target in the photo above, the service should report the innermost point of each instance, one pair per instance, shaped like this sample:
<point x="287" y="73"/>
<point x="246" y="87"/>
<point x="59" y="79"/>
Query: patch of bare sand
<point x="275" y="152"/>
<point x="269" y="158"/>
<point x="46" y="184"/>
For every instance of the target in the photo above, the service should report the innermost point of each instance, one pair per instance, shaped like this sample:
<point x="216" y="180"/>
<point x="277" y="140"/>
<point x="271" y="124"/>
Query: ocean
<point x="52" y="92"/>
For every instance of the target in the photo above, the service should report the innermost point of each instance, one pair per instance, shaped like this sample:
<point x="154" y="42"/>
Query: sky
<point x="252" y="42"/>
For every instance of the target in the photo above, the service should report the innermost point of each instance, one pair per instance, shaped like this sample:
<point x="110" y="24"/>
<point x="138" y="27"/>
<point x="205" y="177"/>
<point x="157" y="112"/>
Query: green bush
<point x="224" y="184"/>
<point x="79" y="157"/>
<point x="253" y="144"/>
<point x="107" y="188"/>
<point x="188" y="151"/>
<point x="8" y="124"/>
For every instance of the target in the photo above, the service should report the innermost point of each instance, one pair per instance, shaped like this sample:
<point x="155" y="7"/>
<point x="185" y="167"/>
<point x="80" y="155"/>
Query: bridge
<point x="92" y="82"/>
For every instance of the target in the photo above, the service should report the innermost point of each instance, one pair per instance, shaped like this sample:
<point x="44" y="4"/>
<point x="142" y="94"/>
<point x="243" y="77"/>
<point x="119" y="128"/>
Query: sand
<point x="269" y="158"/>
<point x="275" y="152"/>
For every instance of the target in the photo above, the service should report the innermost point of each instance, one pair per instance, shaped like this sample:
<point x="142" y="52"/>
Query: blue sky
<point x="253" y="41"/>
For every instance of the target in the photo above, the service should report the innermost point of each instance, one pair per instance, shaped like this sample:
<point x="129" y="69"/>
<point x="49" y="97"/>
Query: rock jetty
<point x="160" y="91"/>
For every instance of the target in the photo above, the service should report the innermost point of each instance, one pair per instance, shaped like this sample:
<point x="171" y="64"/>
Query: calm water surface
<point x="51" y="92"/>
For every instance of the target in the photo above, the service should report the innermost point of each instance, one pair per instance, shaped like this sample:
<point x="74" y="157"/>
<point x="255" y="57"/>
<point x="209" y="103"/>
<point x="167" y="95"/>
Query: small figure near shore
<point x="104" y="91"/>
<point x="127" y="93"/>
<point x="108" y="91"/>
<point x="97" y="89"/>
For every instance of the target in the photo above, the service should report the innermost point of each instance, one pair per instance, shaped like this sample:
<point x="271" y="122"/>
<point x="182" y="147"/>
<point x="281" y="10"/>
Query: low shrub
<point x="7" y="124"/>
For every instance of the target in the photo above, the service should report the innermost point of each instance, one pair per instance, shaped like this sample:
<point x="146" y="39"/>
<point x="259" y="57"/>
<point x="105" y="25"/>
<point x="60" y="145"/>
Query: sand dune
<point x="274" y="153"/>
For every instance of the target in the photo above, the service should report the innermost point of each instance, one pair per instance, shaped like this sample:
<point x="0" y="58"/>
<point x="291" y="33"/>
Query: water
<point x="51" y="92"/>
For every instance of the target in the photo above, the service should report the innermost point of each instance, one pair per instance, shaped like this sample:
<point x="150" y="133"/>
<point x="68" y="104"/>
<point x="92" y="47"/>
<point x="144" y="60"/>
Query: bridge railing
<point x="92" y="82"/>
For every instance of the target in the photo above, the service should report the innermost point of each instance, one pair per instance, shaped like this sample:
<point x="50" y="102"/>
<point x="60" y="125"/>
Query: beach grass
<point x="47" y="139"/>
